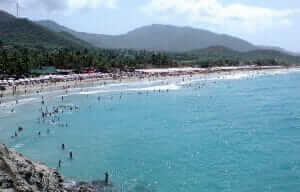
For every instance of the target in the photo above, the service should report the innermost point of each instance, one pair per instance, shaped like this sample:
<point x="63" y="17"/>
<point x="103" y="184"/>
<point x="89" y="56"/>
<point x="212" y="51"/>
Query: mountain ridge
<point x="157" y="37"/>
<point x="24" y="32"/>
<point x="109" y="41"/>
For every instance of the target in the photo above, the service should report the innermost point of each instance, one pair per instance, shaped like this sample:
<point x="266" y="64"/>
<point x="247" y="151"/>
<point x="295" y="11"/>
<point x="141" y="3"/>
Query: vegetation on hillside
<point x="222" y="56"/>
<point x="23" y="32"/>
<point x="20" y="61"/>
<point x="158" y="37"/>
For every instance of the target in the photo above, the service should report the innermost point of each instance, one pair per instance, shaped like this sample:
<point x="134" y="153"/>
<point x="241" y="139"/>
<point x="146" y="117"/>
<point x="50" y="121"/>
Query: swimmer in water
<point x="20" y="129"/>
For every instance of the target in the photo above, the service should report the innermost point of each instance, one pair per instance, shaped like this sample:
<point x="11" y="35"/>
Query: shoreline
<point x="51" y="83"/>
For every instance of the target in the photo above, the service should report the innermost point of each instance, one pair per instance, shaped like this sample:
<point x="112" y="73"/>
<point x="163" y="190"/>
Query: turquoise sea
<point x="237" y="132"/>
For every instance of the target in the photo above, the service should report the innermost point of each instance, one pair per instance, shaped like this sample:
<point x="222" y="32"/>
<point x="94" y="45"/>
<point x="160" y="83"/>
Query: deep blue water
<point x="233" y="134"/>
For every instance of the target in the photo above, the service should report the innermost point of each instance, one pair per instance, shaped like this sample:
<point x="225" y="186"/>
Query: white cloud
<point x="91" y="4"/>
<point x="215" y="13"/>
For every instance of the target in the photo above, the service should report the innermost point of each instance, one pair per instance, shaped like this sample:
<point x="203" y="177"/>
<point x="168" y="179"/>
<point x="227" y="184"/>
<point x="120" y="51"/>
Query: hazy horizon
<point x="268" y="23"/>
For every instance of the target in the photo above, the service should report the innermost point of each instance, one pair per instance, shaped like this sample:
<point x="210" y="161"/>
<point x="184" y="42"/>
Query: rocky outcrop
<point x="19" y="174"/>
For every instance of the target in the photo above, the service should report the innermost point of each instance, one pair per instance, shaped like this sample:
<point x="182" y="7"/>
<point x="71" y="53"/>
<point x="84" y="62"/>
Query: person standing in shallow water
<point x="71" y="155"/>
<point x="106" y="178"/>
<point x="63" y="146"/>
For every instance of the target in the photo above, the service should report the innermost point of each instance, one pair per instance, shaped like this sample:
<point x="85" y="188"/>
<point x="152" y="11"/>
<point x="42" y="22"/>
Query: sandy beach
<point x="24" y="87"/>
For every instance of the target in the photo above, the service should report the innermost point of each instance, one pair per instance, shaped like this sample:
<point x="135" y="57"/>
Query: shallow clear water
<point x="238" y="133"/>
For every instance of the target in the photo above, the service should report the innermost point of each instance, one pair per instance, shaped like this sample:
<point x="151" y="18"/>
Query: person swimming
<point x="20" y="129"/>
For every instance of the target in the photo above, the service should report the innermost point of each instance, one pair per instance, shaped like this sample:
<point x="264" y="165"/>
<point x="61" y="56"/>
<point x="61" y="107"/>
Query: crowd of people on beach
<point x="13" y="87"/>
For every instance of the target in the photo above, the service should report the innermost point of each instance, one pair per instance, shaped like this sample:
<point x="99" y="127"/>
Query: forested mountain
<point x="159" y="38"/>
<point x="21" y="31"/>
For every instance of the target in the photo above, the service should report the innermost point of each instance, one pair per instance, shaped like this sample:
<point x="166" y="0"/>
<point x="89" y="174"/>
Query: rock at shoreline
<point x="19" y="174"/>
<point x="94" y="186"/>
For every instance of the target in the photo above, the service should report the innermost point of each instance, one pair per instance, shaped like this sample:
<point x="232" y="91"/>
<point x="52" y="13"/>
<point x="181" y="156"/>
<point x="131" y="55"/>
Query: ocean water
<point x="221" y="132"/>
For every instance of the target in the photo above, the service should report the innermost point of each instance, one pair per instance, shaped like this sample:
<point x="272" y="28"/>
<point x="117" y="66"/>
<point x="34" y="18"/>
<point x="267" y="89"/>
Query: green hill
<point x="158" y="38"/>
<point x="15" y="31"/>
<point x="226" y="56"/>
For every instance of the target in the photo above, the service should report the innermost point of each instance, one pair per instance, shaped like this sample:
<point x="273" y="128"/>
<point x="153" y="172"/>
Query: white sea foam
<point x="27" y="100"/>
<point x="93" y="92"/>
<point x="149" y="88"/>
<point x="237" y="76"/>
<point x="157" y="88"/>
<point x="18" y="146"/>
<point x="64" y="95"/>
<point x="11" y="104"/>
<point x="223" y="76"/>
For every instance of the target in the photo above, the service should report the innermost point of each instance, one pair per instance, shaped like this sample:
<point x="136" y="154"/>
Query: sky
<point x="261" y="22"/>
